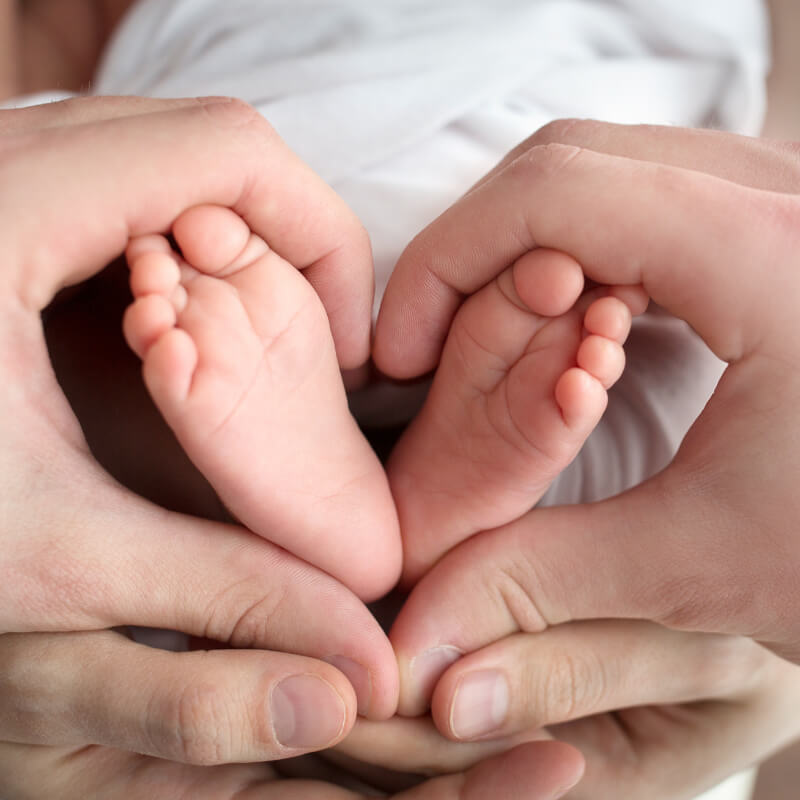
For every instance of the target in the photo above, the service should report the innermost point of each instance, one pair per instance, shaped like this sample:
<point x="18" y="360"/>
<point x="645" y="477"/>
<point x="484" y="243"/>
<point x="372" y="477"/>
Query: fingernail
<point x="426" y="668"/>
<point x="358" y="676"/>
<point x="480" y="704"/>
<point x="307" y="712"/>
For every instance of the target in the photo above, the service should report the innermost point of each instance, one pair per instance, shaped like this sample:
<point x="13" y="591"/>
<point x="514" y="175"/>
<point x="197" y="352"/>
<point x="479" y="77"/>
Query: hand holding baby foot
<point x="521" y="383"/>
<point x="239" y="358"/>
<point x="81" y="553"/>
<point x="710" y="543"/>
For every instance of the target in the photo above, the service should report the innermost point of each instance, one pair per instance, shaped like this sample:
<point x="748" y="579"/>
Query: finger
<point x="86" y="110"/>
<point x="524" y="577"/>
<point x="751" y="161"/>
<point x="205" y="708"/>
<point x="95" y="772"/>
<point x="577" y="670"/>
<point x="700" y="564"/>
<point x="124" y="177"/>
<point x="548" y="197"/>
<point x="415" y="746"/>
<point x="668" y="741"/>
<point x="165" y="570"/>
<point x="541" y="771"/>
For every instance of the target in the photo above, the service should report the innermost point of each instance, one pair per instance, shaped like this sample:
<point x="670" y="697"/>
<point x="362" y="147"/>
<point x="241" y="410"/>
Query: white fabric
<point x="402" y="104"/>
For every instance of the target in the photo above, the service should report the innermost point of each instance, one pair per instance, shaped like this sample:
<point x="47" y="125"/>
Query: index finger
<point x="540" y="771"/>
<point x="759" y="163"/>
<point x="624" y="219"/>
<point x="92" y="185"/>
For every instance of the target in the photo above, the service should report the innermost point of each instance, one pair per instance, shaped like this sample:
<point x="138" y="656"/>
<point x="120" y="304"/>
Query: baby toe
<point x="610" y="318"/>
<point x="139" y="245"/>
<point x="154" y="273"/>
<point x="582" y="400"/>
<point x="168" y="369"/>
<point x="146" y="320"/>
<point x="548" y="282"/>
<point x="211" y="237"/>
<point x="603" y="359"/>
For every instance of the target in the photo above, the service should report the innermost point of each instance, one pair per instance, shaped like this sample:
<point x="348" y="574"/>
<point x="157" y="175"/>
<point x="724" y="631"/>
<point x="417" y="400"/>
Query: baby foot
<point x="521" y="383"/>
<point x="238" y="357"/>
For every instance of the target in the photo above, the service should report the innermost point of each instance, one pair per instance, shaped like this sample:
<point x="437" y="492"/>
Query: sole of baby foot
<point x="239" y="358"/>
<point x="515" y="397"/>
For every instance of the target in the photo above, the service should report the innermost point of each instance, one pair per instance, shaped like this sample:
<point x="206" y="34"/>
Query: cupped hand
<point x="81" y="553"/>
<point x="708" y="223"/>
<point x="656" y="713"/>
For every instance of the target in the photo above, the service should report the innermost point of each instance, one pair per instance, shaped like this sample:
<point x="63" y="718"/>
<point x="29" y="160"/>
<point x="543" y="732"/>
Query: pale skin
<point x="747" y="703"/>
<point x="515" y="395"/>
<point x="695" y="547"/>
<point x="114" y="727"/>
<point x="656" y="713"/>
<point x="710" y="706"/>
<point x="440" y="504"/>
<point x="238" y="357"/>
<point x="82" y="555"/>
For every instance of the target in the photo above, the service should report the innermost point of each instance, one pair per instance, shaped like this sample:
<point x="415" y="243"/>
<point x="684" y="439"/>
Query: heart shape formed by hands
<point x="167" y="570"/>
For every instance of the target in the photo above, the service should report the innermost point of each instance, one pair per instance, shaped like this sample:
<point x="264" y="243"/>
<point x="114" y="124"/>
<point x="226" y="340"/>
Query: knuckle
<point x="533" y="585"/>
<point x="564" y="131"/>
<point x="199" y="729"/>
<point x="504" y="581"/>
<point x="572" y="685"/>
<point x="545" y="161"/>
<point x="63" y="584"/>
<point x="258" y="625"/>
<point x="520" y="591"/>
<point x="705" y="602"/>
<point x="684" y="603"/>
<point x="231" y="112"/>
<point x="247" y="613"/>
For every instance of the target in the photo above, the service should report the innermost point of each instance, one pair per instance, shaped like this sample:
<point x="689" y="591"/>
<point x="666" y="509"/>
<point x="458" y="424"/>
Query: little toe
<point x="211" y="237"/>
<point x="610" y="318"/>
<point x="168" y="369"/>
<point x="146" y="320"/>
<point x="548" y="282"/>
<point x="154" y="272"/>
<point x="602" y="358"/>
<point x="582" y="400"/>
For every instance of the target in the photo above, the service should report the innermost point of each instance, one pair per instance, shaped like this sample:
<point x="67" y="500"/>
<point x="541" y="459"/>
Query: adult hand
<point x="79" y="552"/>
<point x="708" y="223"/>
<point x="540" y="771"/>
<point x="656" y="713"/>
